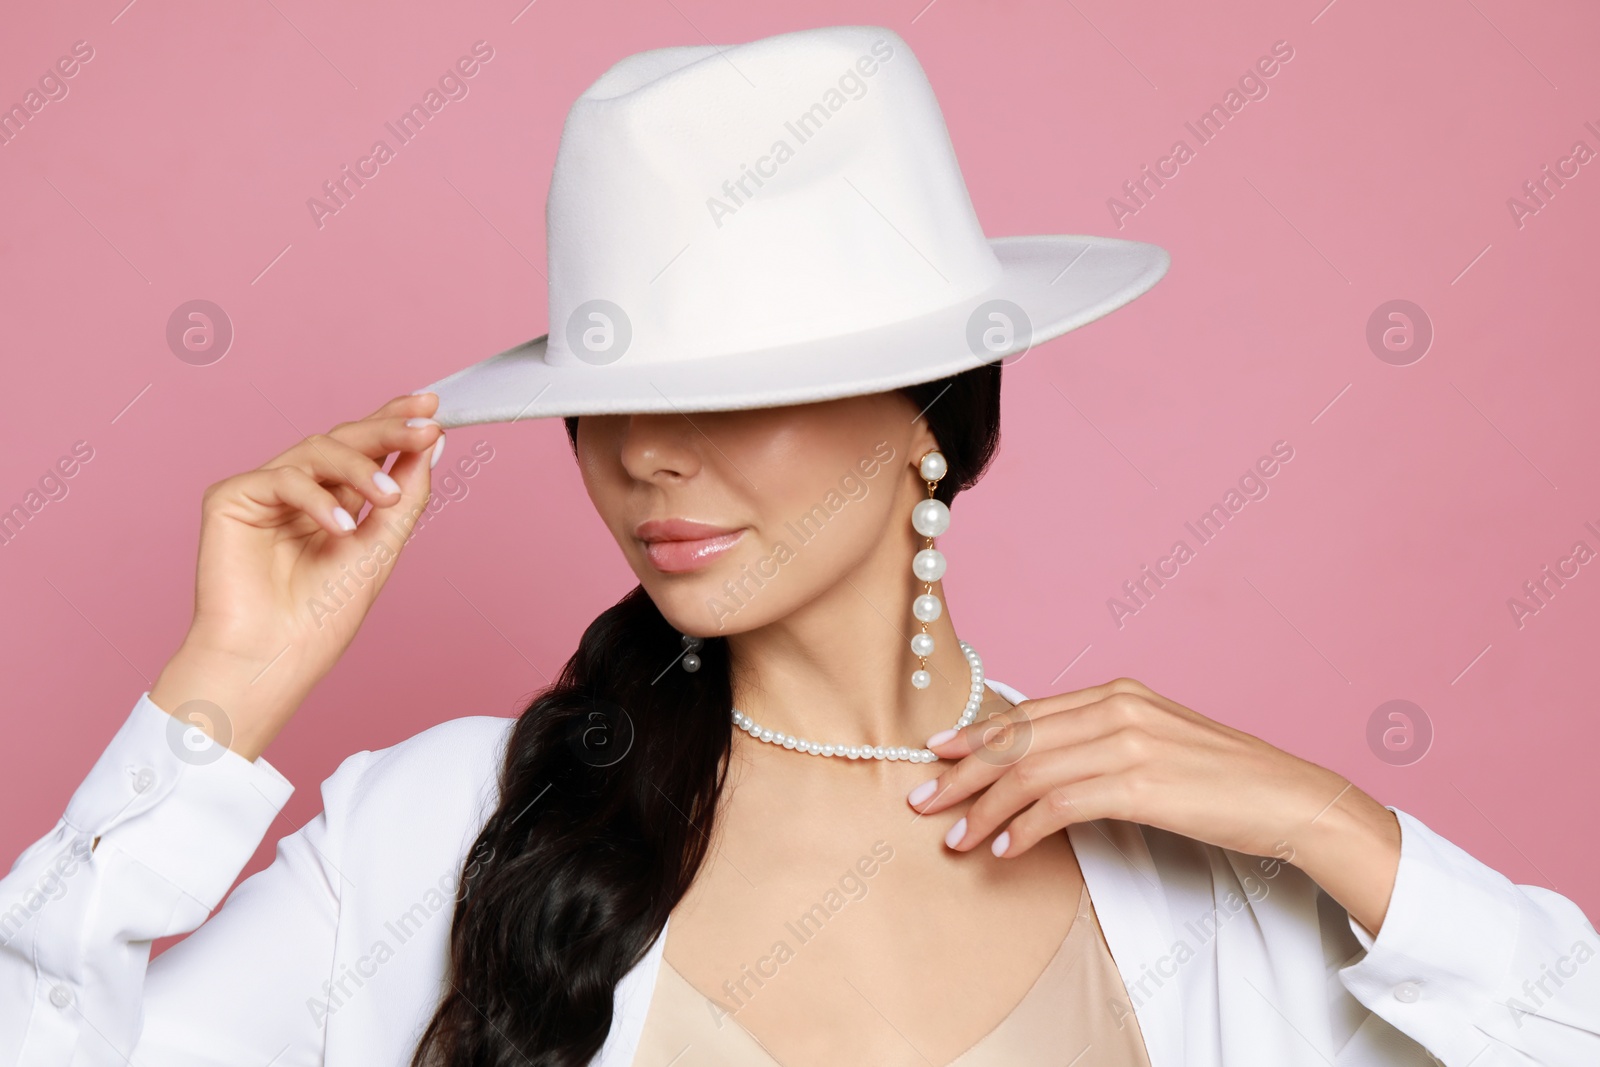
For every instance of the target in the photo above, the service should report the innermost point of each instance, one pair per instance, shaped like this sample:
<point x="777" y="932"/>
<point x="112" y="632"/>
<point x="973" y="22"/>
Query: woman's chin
<point x="714" y="601"/>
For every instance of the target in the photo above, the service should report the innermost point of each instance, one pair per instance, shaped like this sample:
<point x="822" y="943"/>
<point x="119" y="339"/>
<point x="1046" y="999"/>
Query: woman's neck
<point x="838" y="669"/>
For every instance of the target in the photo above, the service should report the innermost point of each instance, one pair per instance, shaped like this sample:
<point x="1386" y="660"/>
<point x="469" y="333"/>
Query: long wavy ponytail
<point x="608" y="795"/>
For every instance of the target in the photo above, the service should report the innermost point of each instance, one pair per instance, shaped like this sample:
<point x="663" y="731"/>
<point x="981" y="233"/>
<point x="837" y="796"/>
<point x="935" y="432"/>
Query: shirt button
<point x="1408" y="992"/>
<point x="61" y="996"/>
<point x="144" y="779"/>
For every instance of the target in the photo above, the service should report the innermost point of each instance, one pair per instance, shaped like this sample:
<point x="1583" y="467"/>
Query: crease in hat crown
<point x="756" y="196"/>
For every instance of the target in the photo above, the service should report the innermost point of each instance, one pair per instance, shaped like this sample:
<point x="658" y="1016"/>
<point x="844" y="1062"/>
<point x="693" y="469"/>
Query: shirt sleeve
<point x="1476" y="969"/>
<point x="150" y="842"/>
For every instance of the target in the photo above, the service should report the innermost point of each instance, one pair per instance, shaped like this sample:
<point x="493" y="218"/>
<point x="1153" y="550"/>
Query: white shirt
<point x="336" y="953"/>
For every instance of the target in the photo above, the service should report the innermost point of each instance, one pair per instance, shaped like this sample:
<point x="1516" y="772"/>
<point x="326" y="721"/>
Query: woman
<point x="719" y="837"/>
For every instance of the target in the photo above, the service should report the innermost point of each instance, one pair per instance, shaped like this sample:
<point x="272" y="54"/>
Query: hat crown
<point x="710" y="200"/>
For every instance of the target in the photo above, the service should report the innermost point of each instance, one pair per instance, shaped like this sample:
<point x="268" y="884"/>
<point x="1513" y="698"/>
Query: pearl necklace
<point x="911" y="755"/>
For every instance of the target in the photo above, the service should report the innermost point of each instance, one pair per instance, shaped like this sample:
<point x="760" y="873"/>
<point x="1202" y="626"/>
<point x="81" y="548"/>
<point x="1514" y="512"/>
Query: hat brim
<point x="1059" y="282"/>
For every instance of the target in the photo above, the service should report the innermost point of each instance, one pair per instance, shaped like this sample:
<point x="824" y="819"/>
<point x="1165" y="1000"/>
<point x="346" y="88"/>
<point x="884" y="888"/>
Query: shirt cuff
<point x="1447" y="943"/>
<point x="178" y="803"/>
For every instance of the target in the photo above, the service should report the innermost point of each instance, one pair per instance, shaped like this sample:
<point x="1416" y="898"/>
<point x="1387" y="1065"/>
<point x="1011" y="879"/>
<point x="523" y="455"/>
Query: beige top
<point x="1062" y="1019"/>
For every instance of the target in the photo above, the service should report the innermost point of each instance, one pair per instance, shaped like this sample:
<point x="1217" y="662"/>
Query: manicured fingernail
<point x="923" y="791"/>
<point x="941" y="737"/>
<point x="420" y="392"/>
<point x="342" y="517"/>
<point x="438" y="450"/>
<point x="419" y="422"/>
<point x="957" y="832"/>
<point x="1001" y="843"/>
<point x="385" y="483"/>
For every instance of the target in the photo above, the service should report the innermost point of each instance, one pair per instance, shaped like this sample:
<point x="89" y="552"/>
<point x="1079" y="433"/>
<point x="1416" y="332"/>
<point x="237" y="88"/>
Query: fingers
<point x="1034" y="759"/>
<point x="1039" y="779"/>
<point x="290" y="488"/>
<point x="997" y="732"/>
<point x="346" y="465"/>
<point x="349" y="458"/>
<point x="403" y="424"/>
<point x="1120" y="688"/>
<point x="392" y="523"/>
<point x="421" y="404"/>
<point x="379" y="436"/>
<point x="332" y="462"/>
<point x="987" y="749"/>
<point x="348" y="498"/>
<point x="1063" y="806"/>
<point x="371" y="438"/>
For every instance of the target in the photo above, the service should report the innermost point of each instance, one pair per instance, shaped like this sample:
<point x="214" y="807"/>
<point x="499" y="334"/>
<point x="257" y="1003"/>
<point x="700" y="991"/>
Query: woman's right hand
<point x="285" y="576"/>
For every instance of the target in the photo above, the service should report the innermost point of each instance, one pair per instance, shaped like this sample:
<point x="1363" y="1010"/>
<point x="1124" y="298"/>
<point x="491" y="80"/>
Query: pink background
<point x="1378" y="167"/>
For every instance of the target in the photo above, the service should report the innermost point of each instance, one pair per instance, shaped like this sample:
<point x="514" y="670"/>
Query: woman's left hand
<point x="1123" y="751"/>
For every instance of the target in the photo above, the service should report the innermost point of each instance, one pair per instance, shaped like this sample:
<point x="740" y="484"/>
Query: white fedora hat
<point x="772" y="223"/>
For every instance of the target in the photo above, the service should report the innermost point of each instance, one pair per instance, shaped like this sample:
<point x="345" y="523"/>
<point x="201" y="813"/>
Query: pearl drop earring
<point x="689" y="661"/>
<point x="930" y="518"/>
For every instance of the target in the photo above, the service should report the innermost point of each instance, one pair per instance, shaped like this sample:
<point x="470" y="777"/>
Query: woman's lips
<point x="675" y="545"/>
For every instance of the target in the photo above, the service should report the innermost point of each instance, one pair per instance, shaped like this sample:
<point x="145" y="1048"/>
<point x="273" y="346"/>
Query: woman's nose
<point x="657" y="445"/>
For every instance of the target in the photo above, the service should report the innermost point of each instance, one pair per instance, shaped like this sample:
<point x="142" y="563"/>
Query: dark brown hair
<point x="608" y="794"/>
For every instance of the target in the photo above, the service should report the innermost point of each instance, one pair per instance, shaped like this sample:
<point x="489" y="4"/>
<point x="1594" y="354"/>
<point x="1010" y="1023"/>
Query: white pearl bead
<point x="928" y="565"/>
<point x="922" y="645"/>
<point x="933" y="467"/>
<point x="926" y="607"/>
<point x="921" y="679"/>
<point x="930" y="517"/>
